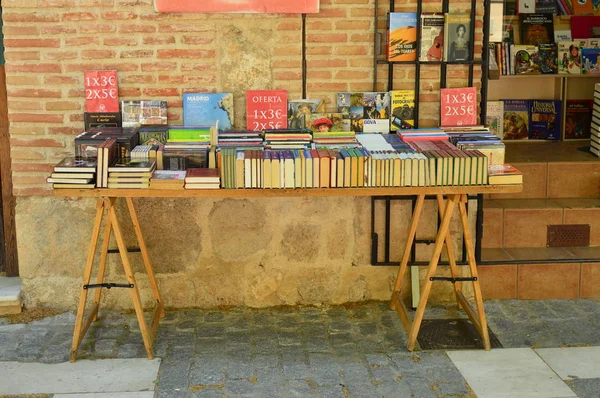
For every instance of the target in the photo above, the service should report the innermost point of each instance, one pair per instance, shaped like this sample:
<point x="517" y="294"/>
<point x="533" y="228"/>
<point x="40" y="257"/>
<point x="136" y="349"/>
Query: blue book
<point x="544" y="119"/>
<point x="200" y="109"/>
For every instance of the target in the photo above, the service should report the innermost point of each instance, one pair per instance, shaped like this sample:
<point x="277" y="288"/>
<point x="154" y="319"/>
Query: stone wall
<point x="258" y="252"/>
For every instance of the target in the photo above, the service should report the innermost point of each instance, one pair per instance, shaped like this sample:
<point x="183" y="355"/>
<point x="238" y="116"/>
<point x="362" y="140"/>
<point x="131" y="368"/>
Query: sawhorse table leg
<point x="106" y="207"/>
<point x="443" y="238"/>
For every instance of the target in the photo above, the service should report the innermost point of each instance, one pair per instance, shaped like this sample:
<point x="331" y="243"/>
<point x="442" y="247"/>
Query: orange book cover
<point x="402" y="36"/>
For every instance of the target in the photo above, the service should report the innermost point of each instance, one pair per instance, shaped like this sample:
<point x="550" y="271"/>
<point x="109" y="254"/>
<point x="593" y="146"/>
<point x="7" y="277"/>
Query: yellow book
<point x="302" y="169"/>
<point x="361" y="168"/>
<point x="275" y="170"/>
<point x="353" y="168"/>
<point x="267" y="170"/>
<point x="297" y="170"/>
<point x="347" y="168"/>
<point x="309" y="171"/>
<point x="340" y="169"/>
<point x="397" y="171"/>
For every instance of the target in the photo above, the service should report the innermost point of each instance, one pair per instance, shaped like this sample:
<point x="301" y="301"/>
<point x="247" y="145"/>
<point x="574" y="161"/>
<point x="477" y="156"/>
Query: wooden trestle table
<point x="456" y="196"/>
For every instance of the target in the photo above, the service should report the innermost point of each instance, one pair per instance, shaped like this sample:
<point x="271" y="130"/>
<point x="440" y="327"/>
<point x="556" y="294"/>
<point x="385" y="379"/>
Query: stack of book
<point x="130" y="173"/>
<point x="247" y="139"/>
<point x="504" y="174"/>
<point x="72" y="172"/>
<point x="144" y="152"/>
<point x="481" y="140"/>
<point x="187" y="147"/>
<point x="288" y="138"/>
<point x="196" y="178"/>
<point x="595" y="130"/>
<point x="87" y="143"/>
<point x="424" y="134"/>
<point x="167" y="179"/>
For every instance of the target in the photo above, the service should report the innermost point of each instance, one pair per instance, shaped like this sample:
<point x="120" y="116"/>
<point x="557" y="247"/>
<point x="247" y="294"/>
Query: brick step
<point x="540" y="281"/>
<point x="523" y="223"/>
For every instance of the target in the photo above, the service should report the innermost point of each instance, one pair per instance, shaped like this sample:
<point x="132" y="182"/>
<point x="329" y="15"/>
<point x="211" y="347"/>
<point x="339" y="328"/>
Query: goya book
<point x="516" y="120"/>
<point x="457" y="30"/>
<point x="403" y="110"/>
<point x="458" y="107"/>
<point x="101" y="93"/>
<point x="367" y="112"/>
<point x="402" y="36"/>
<point x="578" y="118"/>
<point x="432" y="37"/>
<point x="495" y="117"/>
<point x="569" y="57"/>
<point x="536" y="29"/>
<point x="547" y="58"/>
<point x="590" y="60"/>
<point x="300" y="111"/>
<point x="525" y="60"/>
<point x="212" y="109"/>
<point x="266" y="109"/>
<point x="544" y="119"/>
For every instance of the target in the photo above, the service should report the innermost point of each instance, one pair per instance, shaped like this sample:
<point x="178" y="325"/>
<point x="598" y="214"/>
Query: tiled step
<point x="542" y="281"/>
<point x="10" y="295"/>
<point x="514" y="223"/>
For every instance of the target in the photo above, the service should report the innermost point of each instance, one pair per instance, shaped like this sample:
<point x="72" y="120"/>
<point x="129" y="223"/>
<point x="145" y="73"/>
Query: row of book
<point x="595" y="123"/>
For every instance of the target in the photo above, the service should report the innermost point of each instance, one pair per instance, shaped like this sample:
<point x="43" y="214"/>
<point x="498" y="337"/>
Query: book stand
<point x="443" y="238"/>
<point x="106" y="206"/>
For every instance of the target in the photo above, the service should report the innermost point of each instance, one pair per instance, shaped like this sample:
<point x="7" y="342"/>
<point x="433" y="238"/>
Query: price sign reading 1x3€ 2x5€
<point x="458" y="107"/>
<point x="101" y="93"/>
<point x="266" y="109"/>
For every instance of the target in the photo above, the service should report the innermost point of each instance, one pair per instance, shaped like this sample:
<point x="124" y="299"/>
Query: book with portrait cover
<point x="403" y="109"/>
<point x="569" y="57"/>
<point x="402" y="36"/>
<point x="457" y="45"/>
<point x="544" y="119"/>
<point x="208" y="109"/>
<point x="266" y="109"/>
<point x="536" y="29"/>
<point x="432" y="37"/>
<point x="516" y="120"/>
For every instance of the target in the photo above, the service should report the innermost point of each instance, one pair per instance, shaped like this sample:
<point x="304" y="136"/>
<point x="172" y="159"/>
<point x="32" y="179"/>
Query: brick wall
<point x="49" y="43"/>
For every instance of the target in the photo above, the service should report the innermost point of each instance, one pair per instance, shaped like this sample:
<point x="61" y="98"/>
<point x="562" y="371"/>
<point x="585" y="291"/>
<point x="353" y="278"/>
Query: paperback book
<point x="367" y="112"/>
<point x="495" y="117"/>
<point x="456" y="37"/>
<point x="140" y="112"/>
<point x="536" y="29"/>
<point x="212" y="109"/>
<point x="569" y="57"/>
<point x="300" y="111"/>
<point x="432" y="37"/>
<point x="544" y="119"/>
<point x="547" y="58"/>
<point x="525" y="56"/>
<point x="403" y="109"/>
<point x="402" y="36"/>
<point x="516" y="120"/>
<point x="578" y="118"/>
<point x="590" y="58"/>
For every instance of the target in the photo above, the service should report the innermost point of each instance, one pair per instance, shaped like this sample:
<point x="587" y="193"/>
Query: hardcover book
<point x="101" y="119"/>
<point x="536" y="29"/>
<point x="140" y="112"/>
<point x="504" y="174"/>
<point x="458" y="107"/>
<point x="266" y="109"/>
<point x="212" y="109"/>
<point x="365" y="112"/>
<point x="547" y="58"/>
<point x="544" y="119"/>
<point x="133" y="165"/>
<point x="590" y="60"/>
<point x="495" y="117"/>
<point x="525" y="60"/>
<point x="432" y="37"/>
<point x="101" y="93"/>
<point x="300" y="112"/>
<point x="516" y="120"/>
<point x="578" y="119"/>
<point x="402" y="36"/>
<point x="569" y="57"/>
<point x="403" y="109"/>
<point x="456" y="37"/>
<point x="76" y="165"/>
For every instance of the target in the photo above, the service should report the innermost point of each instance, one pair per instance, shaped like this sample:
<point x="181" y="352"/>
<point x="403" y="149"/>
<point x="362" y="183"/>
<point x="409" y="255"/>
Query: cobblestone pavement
<point x="341" y="351"/>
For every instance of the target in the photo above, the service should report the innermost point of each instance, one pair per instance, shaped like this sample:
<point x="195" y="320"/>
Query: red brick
<point x="60" y="80"/>
<point x="35" y="118"/>
<point x="365" y="62"/>
<point x="28" y="179"/>
<point x="22" y="80"/>
<point x="26" y="154"/>
<point x="76" y="93"/>
<point x="82" y="41"/>
<point x="353" y="25"/>
<point x="20" y="31"/>
<point x="137" y="79"/>
<point x="130" y="92"/>
<point x="361" y="38"/>
<point x="119" y="15"/>
<point x="33" y="167"/>
<point x="97" y="54"/>
<point x="351" y="50"/>
<point x="58" y="29"/>
<point x="365" y="12"/>
<point x="61" y="55"/>
<point x="30" y="17"/>
<point x="197" y="67"/>
<point x="352" y="75"/>
<point x="318" y="50"/>
<point x="352" y="1"/>
<point x="66" y="130"/>
<point x="158" y="66"/>
<point x="122" y="67"/>
<point x="327" y="38"/>
<point x="63" y="106"/>
<point x="24" y="105"/>
<point x="120" y="41"/>
<point x="137" y="29"/>
<point x="288" y="25"/>
<point x="326" y="63"/>
<point x="360" y="87"/>
<point x="285" y="51"/>
<point x="188" y="54"/>
<point x="318" y="25"/>
<point x="75" y="118"/>
<point x="185" y="28"/>
<point x="22" y="55"/>
<point x="137" y="54"/>
<point x="336" y="87"/>
<point x="25" y="43"/>
<point x="196" y="40"/>
<point x="286" y="63"/>
<point x="33" y="191"/>
<point x="161" y="92"/>
<point x="159" y="40"/>
<point x="98" y="28"/>
<point x="287" y="75"/>
<point x="57" y="3"/>
<point x="319" y="74"/>
<point x="330" y="13"/>
<point x="79" y="16"/>
<point x="37" y="143"/>
<point x="34" y="93"/>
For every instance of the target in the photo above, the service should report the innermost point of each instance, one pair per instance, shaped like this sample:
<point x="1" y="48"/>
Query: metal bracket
<point x="453" y="280"/>
<point x="108" y="285"/>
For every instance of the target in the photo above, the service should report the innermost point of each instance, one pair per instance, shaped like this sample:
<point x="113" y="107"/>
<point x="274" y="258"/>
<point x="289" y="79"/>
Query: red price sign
<point x="266" y="109"/>
<point x="101" y="93"/>
<point x="459" y="107"/>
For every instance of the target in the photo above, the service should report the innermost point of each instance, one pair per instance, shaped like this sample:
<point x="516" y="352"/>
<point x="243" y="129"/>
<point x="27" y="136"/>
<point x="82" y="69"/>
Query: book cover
<point x="403" y="109"/>
<point x="495" y="117"/>
<point x="402" y="36"/>
<point x="569" y="57"/>
<point x="544" y="119"/>
<point x="578" y="118"/>
<point x="266" y="109"/>
<point x="590" y="61"/>
<point x="135" y="113"/>
<point x="525" y="6"/>
<point x="101" y="119"/>
<point x="583" y="7"/>
<point x="458" y="107"/>
<point x="456" y="37"/>
<point x="547" y="58"/>
<point x="536" y="29"/>
<point x="525" y="60"/>
<point x="516" y="119"/>
<point x="546" y="6"/>
<point x="212" y="109"/>
<point x="432" y="37"/>
<point x="376" y="112"/>
<point x="101" y="93"/>
<point x="300" y="111"/>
